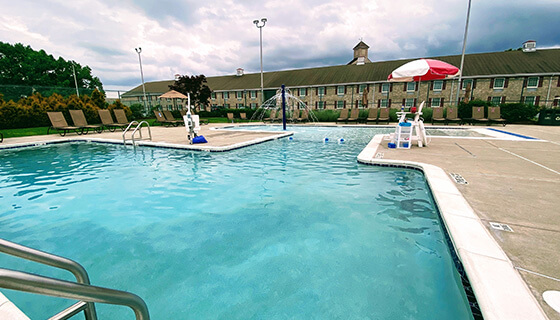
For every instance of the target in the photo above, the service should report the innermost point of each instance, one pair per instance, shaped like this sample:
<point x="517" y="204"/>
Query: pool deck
<point x="510" y="181"/>
<point x="513" y="182"/>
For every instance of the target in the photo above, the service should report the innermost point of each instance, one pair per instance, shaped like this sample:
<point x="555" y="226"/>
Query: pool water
<point x="288" y="229"/>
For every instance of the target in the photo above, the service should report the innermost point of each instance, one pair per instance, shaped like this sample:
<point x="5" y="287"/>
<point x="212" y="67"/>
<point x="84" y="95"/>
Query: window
<point x="533" y="82"/>
<point x="226" y="105"/>
<point x="466" y="82"/>
<point x="253" y="94"/>
<point x="438" y="85"/>
<point x="496" y="100"/>
<point x="411" y="86"/>
<point x="530" y="100"/>
<point x="239" y="95"/>
<point x="556" y="101"/>
<point x="213" y="95"/>
<point x="383" y="103"/>
<point x="320" y="104"/>
<point x="340" y="90"/>
<point x="436" y="102"/>
<point x="253" y="105"/>
<point x="302" y="92"/>
<point x="340" y="104"/>
<point x="321" y="91"/>
<point x="499" y="83"/>
<point x="226" y="95"/>
<point x="362" y="88"/>
<point x="385" y="88"/>
<point x="409" y="102"/>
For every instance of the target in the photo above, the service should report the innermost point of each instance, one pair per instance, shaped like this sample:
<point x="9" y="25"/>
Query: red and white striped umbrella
<point x="423" y="70"/>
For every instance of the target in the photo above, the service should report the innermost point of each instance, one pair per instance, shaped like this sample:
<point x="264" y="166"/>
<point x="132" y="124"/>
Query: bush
<point x="136" y="112"/>
<point x="326" y="115"/>
<point x="518" y="112"/>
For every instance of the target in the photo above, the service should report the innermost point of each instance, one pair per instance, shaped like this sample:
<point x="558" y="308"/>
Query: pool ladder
<point x="138" y="128"/>
<point x="80" y="290"/>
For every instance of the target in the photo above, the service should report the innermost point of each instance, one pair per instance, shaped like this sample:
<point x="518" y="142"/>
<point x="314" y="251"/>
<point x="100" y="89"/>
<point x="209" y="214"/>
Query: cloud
<point x="215" y="37"/>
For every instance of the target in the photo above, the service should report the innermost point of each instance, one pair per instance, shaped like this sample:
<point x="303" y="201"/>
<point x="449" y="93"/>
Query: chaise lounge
<point x="58" y="123"/>
<point x="80" y="121"/>
<point x="108" y="122"/>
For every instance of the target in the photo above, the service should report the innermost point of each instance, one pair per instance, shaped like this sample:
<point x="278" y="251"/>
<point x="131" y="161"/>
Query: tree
<point x="195" y="86"/>
<point x="24" y="71"/>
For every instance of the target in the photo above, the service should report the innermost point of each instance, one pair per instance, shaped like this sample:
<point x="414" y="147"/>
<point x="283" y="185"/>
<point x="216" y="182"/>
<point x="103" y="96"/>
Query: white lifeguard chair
<point x="406" y="131"/>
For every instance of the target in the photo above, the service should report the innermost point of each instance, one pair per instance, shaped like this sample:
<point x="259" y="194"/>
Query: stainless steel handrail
<point x="17" y="280"/>
<point x="126" y="130"/>
<point x="52" y="260"/>
<point x="139" y="126"/>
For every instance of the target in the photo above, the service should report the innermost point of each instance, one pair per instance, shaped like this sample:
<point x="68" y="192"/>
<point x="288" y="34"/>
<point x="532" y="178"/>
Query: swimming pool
<point x="284" y="229"/>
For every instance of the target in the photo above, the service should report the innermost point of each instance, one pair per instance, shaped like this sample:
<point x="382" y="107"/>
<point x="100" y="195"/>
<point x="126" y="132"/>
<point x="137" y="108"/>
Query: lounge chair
<point x="80" y="121"/>
<point x="495" y="116"/>
<point x="372" y="115"/>
<point x="478" y="115"/>
<point x="354" y="115"/>
<point x="58" y="123"/>
<point x="304" y="116"/>
<point x="108" y="122"/>
<point x="272" y="116"/>
<point x="437" y="115"/>
<point x="169" y="116"/>
<point x="452" y="116"/>
<point x="121" y="117"/>
<point x="230" y="117"/>
<point x="243" y="116"/>
<point x="1" y="137"/>
<point x="161" y="119"/>
<point x="383" y="115"/>
<point x="343" y="116"/>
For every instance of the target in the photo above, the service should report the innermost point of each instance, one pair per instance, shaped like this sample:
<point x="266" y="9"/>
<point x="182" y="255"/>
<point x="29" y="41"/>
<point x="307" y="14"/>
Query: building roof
<point x="476" y="65"/>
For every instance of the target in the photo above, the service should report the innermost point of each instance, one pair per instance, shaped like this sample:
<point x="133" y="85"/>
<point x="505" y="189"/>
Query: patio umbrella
<point x="365" y="97"/>
<point x="172" y="94"/>
<point x="423" y="69"/>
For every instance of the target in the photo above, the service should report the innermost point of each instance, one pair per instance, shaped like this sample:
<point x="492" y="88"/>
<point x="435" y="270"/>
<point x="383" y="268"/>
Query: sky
<point x="215" y="37"/>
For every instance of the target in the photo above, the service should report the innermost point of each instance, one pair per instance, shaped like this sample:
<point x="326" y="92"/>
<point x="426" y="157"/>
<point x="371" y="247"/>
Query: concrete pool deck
<point x="509" y="181"/>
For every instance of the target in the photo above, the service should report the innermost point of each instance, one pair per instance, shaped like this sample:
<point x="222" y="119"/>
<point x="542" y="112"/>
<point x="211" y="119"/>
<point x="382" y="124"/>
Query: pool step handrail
<point x="80" y="290"/>
<point x="138" y="128"/>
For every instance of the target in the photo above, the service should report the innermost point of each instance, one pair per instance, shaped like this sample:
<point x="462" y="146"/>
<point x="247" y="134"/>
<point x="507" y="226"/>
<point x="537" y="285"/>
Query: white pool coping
<point x="500" y="291"/>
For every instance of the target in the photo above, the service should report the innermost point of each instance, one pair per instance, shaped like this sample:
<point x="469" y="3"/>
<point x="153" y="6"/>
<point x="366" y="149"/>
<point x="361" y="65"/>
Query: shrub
<point x="518" y="112"/>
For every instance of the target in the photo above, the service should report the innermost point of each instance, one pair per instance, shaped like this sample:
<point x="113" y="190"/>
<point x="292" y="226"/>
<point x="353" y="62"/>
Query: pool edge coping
<point x="499" y="289"/>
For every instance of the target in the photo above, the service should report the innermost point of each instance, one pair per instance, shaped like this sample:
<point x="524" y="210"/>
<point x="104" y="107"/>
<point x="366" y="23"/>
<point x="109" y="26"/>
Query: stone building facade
<point x="499" y="77"/>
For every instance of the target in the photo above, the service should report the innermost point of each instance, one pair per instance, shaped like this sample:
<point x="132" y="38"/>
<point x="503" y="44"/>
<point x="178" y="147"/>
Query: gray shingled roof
<point x="476" y="65"/>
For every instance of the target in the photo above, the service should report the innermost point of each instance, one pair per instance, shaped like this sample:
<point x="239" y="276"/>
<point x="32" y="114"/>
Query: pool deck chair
<point x="161" y="119"/>
<point x="478" y="115"/>
<point x="243" y="116"/>
<point x="121" y="117"/>
<point x="230" y="117"/>
<point x="383" y="115"/>
<point x="494" y="116"/>
<point x="437" y="115"/>
<point x="80" y="121"/>
<point x="343" y="116"/>
<point x="271" y="117"/>
<point x="108" y="123"/>
<point x="452" y="116"/>
<point x="354" y="115"/>
<point x="169" y="116"/>
<point x="58" y="123"/>
<point x="372" y="115"/>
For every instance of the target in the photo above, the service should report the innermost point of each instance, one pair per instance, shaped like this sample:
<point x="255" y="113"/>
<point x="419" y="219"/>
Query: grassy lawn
<point x="37" y="131"/>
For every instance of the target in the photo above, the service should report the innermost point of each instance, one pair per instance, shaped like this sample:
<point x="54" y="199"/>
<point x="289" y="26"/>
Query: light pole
<point x="256" y="22"/>
<point x="463" y="54"/>
<point x="139" y="50"/>
<point x="75" y="80"/>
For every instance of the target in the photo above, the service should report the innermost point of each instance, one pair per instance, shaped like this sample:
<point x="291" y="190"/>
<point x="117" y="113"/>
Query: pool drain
<point x="501" y="226"/>
<point x="458" y="178"/>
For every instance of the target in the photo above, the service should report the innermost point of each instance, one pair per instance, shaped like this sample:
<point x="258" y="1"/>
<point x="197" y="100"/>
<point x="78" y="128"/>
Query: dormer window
<point x="529" y="46"/>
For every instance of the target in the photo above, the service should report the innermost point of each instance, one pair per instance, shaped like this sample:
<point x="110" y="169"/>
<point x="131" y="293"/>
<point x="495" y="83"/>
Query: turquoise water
<point x="288" y="229"/>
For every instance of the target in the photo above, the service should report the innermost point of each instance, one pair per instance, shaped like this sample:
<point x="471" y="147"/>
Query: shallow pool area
<point x="292" y="228"/>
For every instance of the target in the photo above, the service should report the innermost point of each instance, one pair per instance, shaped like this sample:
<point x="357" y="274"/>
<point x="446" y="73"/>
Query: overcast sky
<point x="215" y="37"/>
